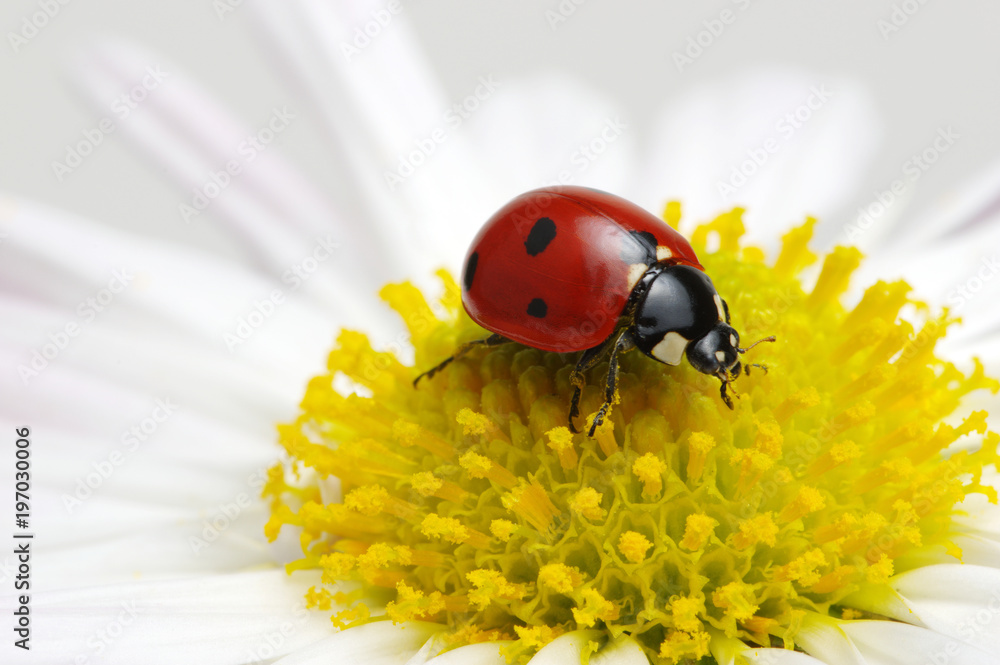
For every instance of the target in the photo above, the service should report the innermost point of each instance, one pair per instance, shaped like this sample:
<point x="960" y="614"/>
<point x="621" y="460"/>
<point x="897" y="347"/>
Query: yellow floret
<point x="758" y="529"/>
<point x="561" y="441"/>
<point x="737" y="599"/>
<point x="634" y="546"/>
<point x="587" y="502"/>
<point x="806" y="569"/>
<point x="473" y="423"/>
<point x="697" y="530"/>
<point x="336" y="566"/>
<point x="383" y="555"/>
<point x="502" y="529"/>
<point x="685" y="612"/>
<point x="478" y="466"/>
<point x="879" y="572"/>
<point x="559" y="577"/>
<point x="425" y="483"/>
<point x="490" y="585"/>
<point x="681" y="646"/>
<point x="413" y="604"/>
<point x="595" y="608"/>
<point x="318" y="599"/>
<point x="346" y="618"/>
<point x="807" y="500"/>
<point x="447" y="528"/>
<point x="369" y="500"/>
<point x="649" y="470"/>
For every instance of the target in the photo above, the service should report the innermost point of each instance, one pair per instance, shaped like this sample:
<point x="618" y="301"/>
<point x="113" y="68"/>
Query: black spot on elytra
<point x="537" y="308"/>
<point x="540" y="236"/>
<point x="470" y="270"/>
<point x="639" y="248"/>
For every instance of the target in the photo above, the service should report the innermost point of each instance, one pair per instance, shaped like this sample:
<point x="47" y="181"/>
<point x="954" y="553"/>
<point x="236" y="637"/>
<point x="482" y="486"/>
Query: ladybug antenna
<point x="766" y="339"/>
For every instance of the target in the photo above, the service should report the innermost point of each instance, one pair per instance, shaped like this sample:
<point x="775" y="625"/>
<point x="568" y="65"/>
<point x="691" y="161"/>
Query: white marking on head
<point x="718" y="306"/>
<point x="732" y="340"/>
<point x="720" y="356"/>
<point x="663" y="253"/>
<point x="671" y="348"/>
<point x="635" y="273"/>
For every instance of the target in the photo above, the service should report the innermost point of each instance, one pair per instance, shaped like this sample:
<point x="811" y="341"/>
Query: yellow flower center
<point x="468" y="502"/>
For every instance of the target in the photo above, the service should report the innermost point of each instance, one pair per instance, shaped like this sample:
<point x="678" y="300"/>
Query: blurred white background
<point x="925" y="64"/>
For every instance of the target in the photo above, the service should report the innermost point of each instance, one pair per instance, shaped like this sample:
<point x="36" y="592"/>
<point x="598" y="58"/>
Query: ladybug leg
<point x="727" y="379"/>
<point x="746" y="368"/>
<point x="725" y="397"/>
<point x="492" y="340"/>
<point x="624" y="343"/>
<point x="589" y="358"/>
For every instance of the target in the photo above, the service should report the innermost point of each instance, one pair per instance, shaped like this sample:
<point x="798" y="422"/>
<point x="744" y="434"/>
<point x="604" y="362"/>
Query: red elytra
<point x="571" y="252"/>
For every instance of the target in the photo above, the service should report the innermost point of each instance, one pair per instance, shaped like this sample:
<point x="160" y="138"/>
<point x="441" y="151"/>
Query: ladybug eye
<point x="706" y="354"/>
<point x="717" y="351"/>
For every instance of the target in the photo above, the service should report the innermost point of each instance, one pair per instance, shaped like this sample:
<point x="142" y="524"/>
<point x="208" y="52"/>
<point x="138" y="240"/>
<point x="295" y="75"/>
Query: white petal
<point x="976" y="527"/>
<point x="379" y="643"/>
<point x="222" y="619"/>
<point x="528" y="140"/>
<point x="117" y="511"/>
<point x="154" y="363"/>
<point x="983" y="517"/>
<point x="961" y="601"/>
<point x="307" y="35"/>
<point x="485" y="653"/>
<point x="264" y="201"/>
<point x="965" y="278"/>
<point x="173" y="289"/>
<point x="564" y="649"/>
<point x="987" y="349"/>
<point x="301" y="48"/>
<point x="187" y="139"/>
<point x="715" y="129"/>
<point x="523" y="137"/>
<point x="104" y="520"/>
<point x="128" y="484"/>
<point x="432" y="646"/>
<point x="623" y="652"/>
<point x="197" y="119"/>
<point x="967" y="207"/>
<point x="976" y="550"/>
<point x="825" y="639"/>
<point x="727" y="650"/>
<point x="883" y="643"/>
<point x="779" y="657"/>
<point x="400" y="103"/>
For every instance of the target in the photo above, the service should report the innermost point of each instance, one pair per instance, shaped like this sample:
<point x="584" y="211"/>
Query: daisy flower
<point x="843" y="513"/>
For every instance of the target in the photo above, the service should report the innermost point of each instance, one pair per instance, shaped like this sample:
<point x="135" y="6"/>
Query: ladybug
<point x="570" y="269"/>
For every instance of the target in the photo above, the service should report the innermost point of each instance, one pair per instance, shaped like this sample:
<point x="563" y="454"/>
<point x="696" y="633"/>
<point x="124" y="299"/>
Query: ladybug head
<point x="718" y="353"/>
